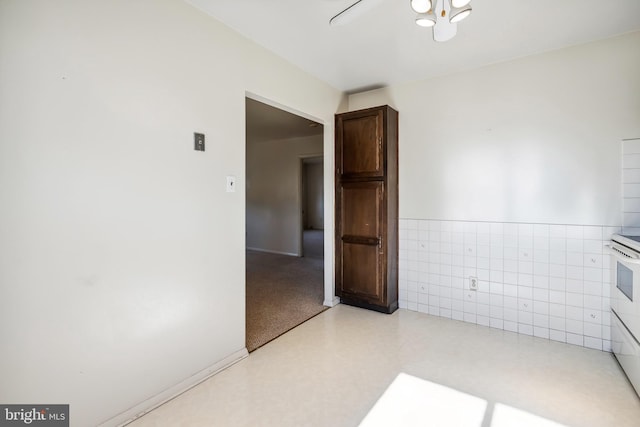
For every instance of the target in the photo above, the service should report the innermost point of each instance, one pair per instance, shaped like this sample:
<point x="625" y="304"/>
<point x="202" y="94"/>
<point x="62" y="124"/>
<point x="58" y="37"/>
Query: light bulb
<point x="459" y="15"/>
<point x="460" y="3"/>
<point x="426" y="20"/>
<point x="421" y="6"/>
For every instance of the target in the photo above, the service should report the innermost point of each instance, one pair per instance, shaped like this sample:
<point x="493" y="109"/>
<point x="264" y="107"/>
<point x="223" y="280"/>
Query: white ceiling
<point x="384" y="46"/>
<point x="267" y="123"/>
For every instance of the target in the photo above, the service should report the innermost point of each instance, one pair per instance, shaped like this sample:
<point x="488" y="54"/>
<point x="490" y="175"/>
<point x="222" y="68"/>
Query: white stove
<point x="625" y="304"/>
<point x="632" y="242"/>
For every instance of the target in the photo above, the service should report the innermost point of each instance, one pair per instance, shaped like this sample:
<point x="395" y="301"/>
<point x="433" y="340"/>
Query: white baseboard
<point x="273" y="252"/>
<point x="332" y="302"/>
<point x="152" y="403"/>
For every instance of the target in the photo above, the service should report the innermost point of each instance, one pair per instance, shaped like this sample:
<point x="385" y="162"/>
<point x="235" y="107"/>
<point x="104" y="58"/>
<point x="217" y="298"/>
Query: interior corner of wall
<point x="371" y="98"/>
<point x="343" y="106"/>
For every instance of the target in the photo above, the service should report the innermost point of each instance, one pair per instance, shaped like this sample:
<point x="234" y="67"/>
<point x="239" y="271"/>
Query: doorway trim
<point x="328" y="147"/>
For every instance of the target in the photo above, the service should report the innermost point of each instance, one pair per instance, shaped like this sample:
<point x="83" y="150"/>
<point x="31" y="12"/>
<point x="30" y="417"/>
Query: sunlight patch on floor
<point x="507" y="416"/>
<point x="410" y="401"/>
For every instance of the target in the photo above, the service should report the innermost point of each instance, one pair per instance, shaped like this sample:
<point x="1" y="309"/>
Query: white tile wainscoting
<point x="546" y="280"/>
<point x="631" y="186"/>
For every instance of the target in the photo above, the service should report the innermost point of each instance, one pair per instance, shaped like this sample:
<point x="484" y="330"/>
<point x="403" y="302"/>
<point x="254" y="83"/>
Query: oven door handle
<point x="623" y="255"/>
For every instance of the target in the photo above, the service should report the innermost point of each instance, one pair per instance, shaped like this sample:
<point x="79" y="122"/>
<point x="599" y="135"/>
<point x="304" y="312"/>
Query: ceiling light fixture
<point x="442" y="15"/>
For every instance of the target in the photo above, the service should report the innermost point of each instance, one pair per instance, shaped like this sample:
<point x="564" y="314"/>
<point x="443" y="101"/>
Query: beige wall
<point x="121" y="255"/>
<point x="274" y="221"/>
<point x="532" y="140"/>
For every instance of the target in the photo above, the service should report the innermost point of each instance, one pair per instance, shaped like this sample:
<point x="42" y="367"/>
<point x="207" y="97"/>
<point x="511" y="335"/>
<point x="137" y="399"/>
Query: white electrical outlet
<point x="473" y="283"/>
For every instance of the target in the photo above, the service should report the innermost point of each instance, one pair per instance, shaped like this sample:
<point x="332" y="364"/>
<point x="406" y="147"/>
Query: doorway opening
<point x="284" y="288"/>
<point x="312" y="206"/>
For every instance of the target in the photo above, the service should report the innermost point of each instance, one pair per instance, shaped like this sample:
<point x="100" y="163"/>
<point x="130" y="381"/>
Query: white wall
<point x="531" y="140"/>
<point x="274" y="217"/>
<point x="121" y="254"/>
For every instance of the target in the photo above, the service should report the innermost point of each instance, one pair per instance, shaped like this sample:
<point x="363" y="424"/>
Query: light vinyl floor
<point x="331" y="370"/>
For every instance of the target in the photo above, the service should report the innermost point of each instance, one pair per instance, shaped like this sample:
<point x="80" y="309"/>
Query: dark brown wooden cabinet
<point x="367" y="208"/>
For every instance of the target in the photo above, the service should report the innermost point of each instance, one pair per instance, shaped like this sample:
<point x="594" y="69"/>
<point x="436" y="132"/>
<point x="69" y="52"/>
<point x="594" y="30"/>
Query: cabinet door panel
<point x="361" y="143"/>
<point x="361" y="271"/>
<point x="360" y="240"/>
<point x="362" y="209"/>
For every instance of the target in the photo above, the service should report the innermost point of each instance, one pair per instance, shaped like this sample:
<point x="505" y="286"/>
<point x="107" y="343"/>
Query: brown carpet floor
<point x="282" y="292"/>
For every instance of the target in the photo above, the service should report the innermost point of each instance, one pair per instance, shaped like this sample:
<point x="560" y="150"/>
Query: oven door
<point x="627" y="351"/>
<point x="625" y="286"/>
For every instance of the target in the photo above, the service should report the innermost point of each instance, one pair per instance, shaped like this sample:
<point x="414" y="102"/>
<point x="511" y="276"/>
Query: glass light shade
<point x="458" y="15"/>
<point x="421" y="6"/>
<point x="426" y="20"/>
<point x="459" y="3"/>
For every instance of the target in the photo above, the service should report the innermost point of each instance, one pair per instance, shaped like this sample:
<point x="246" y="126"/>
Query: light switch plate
<point x="198" y="141"/>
